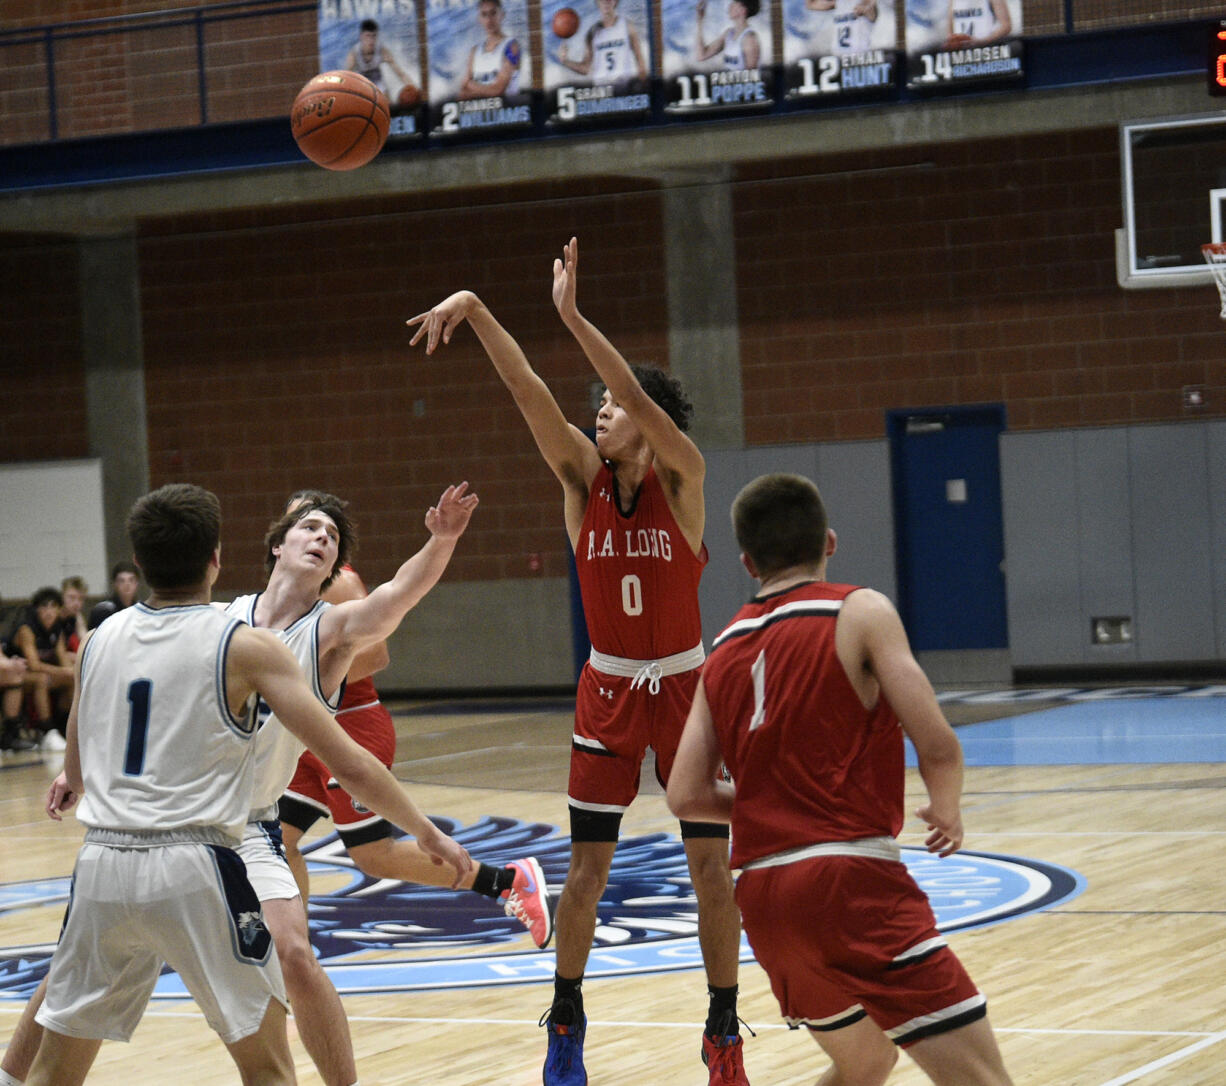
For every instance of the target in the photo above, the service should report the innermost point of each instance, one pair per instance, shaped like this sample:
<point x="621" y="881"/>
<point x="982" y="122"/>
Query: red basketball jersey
<point x="810" y="763"/>
<point x="363" y="691"/>
<point x="637" y="575"/>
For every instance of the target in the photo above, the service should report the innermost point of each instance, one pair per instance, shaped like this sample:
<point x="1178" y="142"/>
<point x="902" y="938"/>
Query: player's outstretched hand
<point x="441" y="322"/>
<point x="60" y="798"/>
<point x="566" y="279"/>
<point x="450" y="517"/>
<point x="944" y="831"/>
<point x="446" y="850"/>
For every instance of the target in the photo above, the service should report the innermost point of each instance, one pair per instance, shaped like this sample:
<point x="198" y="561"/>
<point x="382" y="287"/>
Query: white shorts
<point x="267" y="868"/>
<point x="131" y="909"/>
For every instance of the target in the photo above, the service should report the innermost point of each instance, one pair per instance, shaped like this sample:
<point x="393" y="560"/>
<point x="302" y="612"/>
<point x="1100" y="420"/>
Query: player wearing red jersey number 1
<point x="634" y="511"/>
<point x="802" y="699"/>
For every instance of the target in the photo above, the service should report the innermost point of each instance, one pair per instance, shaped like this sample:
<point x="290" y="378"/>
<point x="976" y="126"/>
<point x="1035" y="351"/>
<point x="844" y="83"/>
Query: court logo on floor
<point x="382" y="935"/>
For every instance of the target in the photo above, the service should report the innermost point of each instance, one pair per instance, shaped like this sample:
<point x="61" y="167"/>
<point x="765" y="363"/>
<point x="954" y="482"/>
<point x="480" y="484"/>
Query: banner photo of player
<point x="716" y="58"/>
<point x="480" y="67"/>
<point x="377" y="39"/>
<point x="838" y="48"/>
<point x="597" y="60"/>
<point x="951" y="43"/>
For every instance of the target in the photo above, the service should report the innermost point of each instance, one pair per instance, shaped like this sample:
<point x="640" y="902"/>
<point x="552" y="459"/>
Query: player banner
<point x="951" y="43"/>
<point x="480" y="67"/>
<point x="716" y="59"/>
<point x="597" y="60"/>
<point x="838" y="48"/>
<point x="377" y="39"/>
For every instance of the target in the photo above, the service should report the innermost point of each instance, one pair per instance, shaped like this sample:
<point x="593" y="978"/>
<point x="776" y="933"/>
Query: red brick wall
<point x="147" y="77"/>
<point x="956" y="273"/>
<point x="42" y="375"/>
<point x="277" y="357"/>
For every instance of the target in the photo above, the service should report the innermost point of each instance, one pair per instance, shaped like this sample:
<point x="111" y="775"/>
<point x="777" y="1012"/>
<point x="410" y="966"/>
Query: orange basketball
<point x="565" y="23"/>
<point x="408" y="97"/>
<point x="340" y="120"/>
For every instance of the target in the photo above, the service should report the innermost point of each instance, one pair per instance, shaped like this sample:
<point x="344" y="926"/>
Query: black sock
<point x="567" y="1006"/>
<point x="721" y="1017"/>
<point x="492" y="882"/>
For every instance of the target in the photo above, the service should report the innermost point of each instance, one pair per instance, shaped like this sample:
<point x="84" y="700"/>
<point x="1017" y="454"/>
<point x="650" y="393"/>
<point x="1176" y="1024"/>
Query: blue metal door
<point x="950" y="534"/>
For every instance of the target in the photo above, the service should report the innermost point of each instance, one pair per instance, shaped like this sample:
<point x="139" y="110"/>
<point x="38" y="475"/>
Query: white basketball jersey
<point x="849" y="32"/>
<point x="734" y="49"/>
<point x="160" y="749"/>
<point x="974" y="18"/>
<point x="612" y="57"/>
<point x="277" y="750"/>
<point x="487" y="66"/>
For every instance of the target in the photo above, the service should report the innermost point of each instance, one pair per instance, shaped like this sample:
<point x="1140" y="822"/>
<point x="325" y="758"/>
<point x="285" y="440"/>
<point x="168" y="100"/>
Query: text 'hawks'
<point x="641" y="543"/>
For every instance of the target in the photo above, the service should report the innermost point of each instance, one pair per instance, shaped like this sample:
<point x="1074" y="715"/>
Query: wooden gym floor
<point x="1119" y="984"/>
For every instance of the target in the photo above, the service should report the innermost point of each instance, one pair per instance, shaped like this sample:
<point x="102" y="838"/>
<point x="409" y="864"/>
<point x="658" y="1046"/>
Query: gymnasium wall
<point x="275" y="354"/>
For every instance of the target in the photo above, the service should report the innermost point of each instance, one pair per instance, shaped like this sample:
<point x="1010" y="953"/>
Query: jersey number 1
<point x="138" y="727"/>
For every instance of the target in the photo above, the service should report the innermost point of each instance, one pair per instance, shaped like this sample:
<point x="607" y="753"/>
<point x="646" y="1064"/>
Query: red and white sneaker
<point x="528" y="900"/>
<point x="724" y="1060"/>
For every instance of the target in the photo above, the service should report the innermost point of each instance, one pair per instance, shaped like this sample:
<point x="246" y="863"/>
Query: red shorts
<point x="371" y="727"/>
<point x="615" y="725"/>
<point x="845" y="936"/>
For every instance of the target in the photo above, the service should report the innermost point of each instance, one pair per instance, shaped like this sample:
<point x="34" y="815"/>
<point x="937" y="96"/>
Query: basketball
<point x="956" y="41"/>
<point x="408" y="97"/>
<point x="565" y="23"/>
<point x="340" y="120"/>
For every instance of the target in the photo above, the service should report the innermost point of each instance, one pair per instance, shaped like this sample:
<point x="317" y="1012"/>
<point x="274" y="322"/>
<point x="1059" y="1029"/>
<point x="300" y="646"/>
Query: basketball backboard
<point x="1174" y="191"/>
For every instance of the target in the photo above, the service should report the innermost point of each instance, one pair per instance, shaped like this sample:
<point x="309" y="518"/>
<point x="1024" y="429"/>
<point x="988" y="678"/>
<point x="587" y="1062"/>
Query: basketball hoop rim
<point x="1214" y="251"/>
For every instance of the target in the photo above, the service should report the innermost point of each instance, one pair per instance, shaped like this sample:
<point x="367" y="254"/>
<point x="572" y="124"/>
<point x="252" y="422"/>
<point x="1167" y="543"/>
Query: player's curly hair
<point x="301" y="503"/>
<point x="666" y="392"/>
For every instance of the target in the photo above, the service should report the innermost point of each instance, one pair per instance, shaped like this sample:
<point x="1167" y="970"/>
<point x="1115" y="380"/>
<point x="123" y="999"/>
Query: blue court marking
<point x="1120" y="731"/>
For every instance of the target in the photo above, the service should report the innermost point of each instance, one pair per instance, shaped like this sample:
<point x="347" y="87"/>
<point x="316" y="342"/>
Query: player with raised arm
<point x="304" y="551"/>
<point x="739" y="43"/>
<point x="634" y="511"/>
<point x="161" y="748"/>
<point x="805" y="698"/>
<point x="369" y="839"/>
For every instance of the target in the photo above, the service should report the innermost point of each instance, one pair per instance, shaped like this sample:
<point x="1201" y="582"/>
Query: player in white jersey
<point x="494" y="63"/>
<point x="308" y="547"/>
<point x="160" y="744"/>
<point x="739" y="43"/>
<point x="851" y="24"/>
<point x="305" y="550"/>
<point x="976" y="22"/>
<point x="612" y="49"/>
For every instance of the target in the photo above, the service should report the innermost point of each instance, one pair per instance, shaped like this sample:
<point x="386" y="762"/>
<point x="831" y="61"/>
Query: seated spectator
<point x="72" y="622"/>
<point x="125" y="584"/>
<point x="13" y="671"/>
<point x="49" y="678"/>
